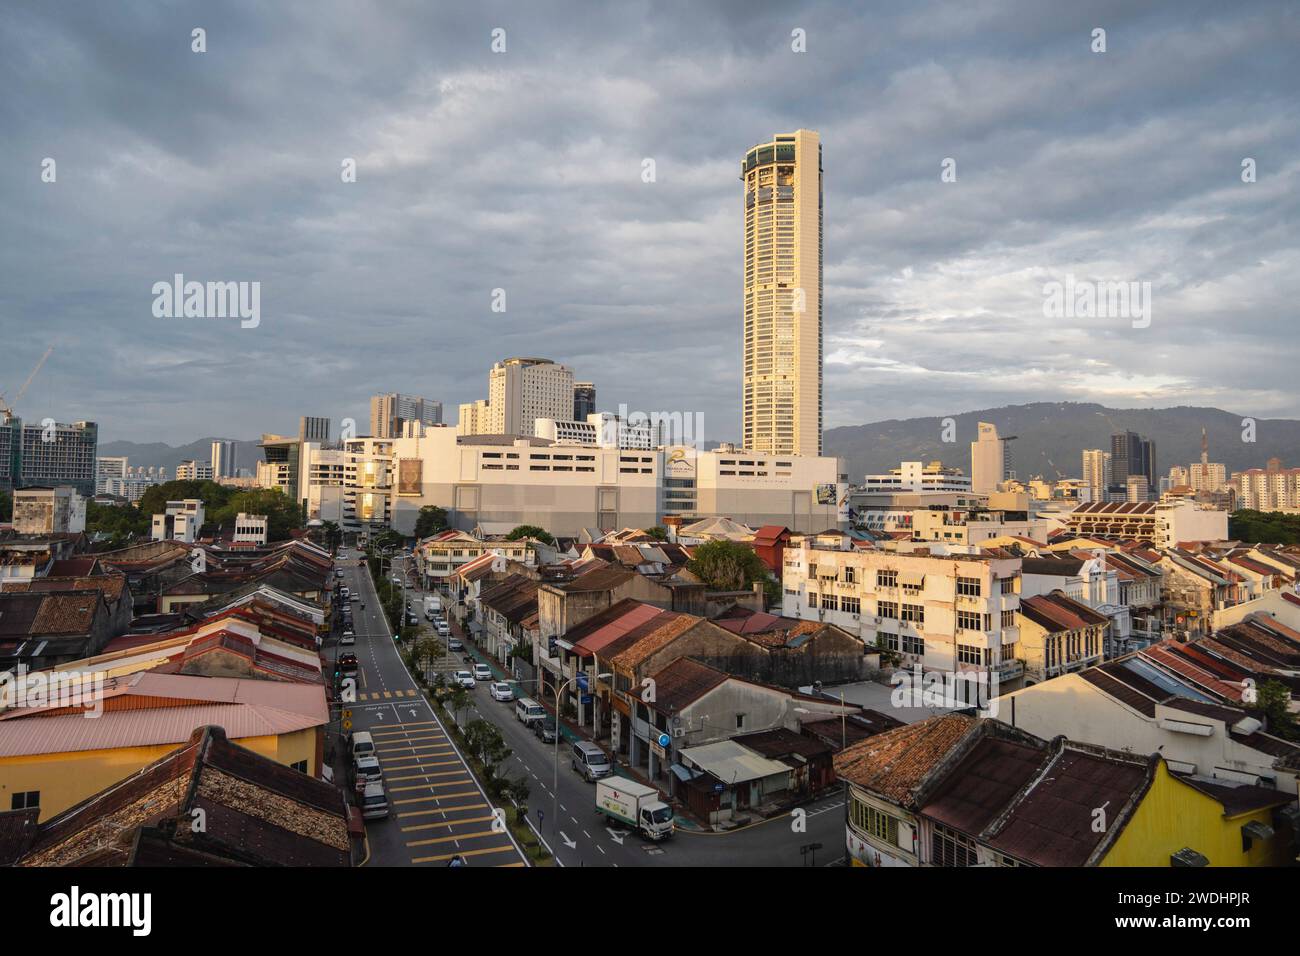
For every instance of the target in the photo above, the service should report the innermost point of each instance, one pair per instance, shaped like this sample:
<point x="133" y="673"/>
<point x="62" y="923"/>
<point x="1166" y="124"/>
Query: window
<point x="1008" y="585"/>
<point x="28" y="800"/>
<point x="1008" y="618"/>
<point x="913" y="645"/>
<point x="851" y="605"/>
<point x="888" y="609"/>
<point x="740" y="721"/>
<point x="969" y="621"/>
<point x="830" y="602"/>
<point x="875" y="822"/>
<point x="969" y="587"/>
<point x="300" y="766"/>
<point x="951" y="848"/>
<point x="913" y="613"/>
<point x="969" y="654"/>
<point x="850" y="575"/>
<point x="886" y="579"/>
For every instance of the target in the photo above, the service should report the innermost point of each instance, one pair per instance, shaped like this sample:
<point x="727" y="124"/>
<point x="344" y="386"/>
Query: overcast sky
<point x="522" y="171"/>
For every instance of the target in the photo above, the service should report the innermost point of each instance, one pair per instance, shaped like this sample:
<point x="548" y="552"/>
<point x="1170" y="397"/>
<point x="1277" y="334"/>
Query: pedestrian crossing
<point x="388" y="694"/>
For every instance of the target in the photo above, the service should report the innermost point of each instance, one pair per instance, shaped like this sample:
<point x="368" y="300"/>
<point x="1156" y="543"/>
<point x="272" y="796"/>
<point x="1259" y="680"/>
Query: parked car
<point x="348" y="663"/>
<point x="361" y="744"/>
<point x="590" y="761"/>
<point x="374" y="802"/>
<point x="464" y="679"/>
<point x="348" y="639"/>
<point x="454" y="644"/>
<point x="368" y="769"/>
<point x="502" y="691"/>
<point x="443" y="629"/>
<point x="482" y="672"/>
<point x="545" y="729"/>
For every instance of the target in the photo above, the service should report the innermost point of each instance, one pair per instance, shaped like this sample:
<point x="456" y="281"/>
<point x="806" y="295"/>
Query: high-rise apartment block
<point x="47" y="454"/>
<point x="223" y="459"/>
<point x="989" y="460"/>
<point x="1131" y="454"/>
<point x="520" y="391"/>
<point x="390" y="413"/>
<point x="1096" y="473"/>
<point x="191" y="470"/>
<point x="782" y="385"/>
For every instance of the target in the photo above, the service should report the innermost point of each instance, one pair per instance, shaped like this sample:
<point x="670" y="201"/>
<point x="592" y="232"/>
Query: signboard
<point x="657" y="750"/>
<point x="583" y="683"/>
<point x="586" y="699"/>
<point x="664" y="740"/>
<point x="825" y="494"/>
<point x="410" y="475"/>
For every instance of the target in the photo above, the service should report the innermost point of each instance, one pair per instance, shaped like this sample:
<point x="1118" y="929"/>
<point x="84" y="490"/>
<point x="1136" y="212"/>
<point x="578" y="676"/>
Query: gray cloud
<point x="522" y="171"/>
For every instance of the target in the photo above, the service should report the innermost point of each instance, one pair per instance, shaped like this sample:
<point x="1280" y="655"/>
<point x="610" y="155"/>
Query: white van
<point x="363" y="745"/>
<point x="590" y="761"/>
<point x="528" y="710"/>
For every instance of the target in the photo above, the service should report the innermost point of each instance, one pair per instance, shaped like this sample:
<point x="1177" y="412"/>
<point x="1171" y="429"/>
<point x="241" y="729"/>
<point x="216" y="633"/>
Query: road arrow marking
<point x="614" y="835"/>
<point x="567" y="842"/>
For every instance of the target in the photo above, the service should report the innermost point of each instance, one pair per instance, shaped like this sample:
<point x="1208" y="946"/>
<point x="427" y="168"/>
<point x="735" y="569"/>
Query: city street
<point x="580" y="837"/>
<point x="437" y="808"/>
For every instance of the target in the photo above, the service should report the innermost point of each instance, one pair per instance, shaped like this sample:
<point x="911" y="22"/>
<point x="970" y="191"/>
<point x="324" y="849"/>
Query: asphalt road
<point x="437" y="808"/>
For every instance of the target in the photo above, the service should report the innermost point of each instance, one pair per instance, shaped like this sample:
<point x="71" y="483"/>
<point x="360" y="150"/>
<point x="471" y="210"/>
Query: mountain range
<point x="1051" y="436"/>
<point x="157" y="455"/>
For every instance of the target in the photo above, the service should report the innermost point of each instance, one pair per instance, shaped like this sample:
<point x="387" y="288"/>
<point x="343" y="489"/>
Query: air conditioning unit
<point x="679" y="731"/>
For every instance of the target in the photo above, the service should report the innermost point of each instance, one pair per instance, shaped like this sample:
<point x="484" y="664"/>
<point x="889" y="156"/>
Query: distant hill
<point x="158" y="455"/>
<point x="1060" y="432"/>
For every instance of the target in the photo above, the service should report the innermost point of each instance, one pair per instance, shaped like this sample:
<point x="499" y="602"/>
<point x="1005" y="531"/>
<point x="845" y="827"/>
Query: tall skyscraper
<point x="584" y="400"/>
<point x="1205" y="475"/>
<point x="1131" y="454"/>
<point x="389" y="413"/>
<point x="1096" y="472"/>
<point x="988" y="460"/>
<point x="48" y="454"/>
<point x="109" y="468"/>
<point x="782" y="384"/>
<point x="223" y="459"/>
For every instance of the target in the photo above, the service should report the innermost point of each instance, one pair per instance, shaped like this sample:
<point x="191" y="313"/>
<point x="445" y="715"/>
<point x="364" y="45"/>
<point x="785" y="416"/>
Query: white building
<point x="564" y="488"/>
<point x="1096" y="472"/>
<point x="602" y="429"/>
<point x="107" y="469"/>
<point x="223" y="459"/>
<point x="953" y="613"/>
<point x="57" y="510"/>
<point x="914" y="476"/>
<point x="191" y="470"/>
<point x="988" y="460"/>
<point x="389" y="413"/>
<point x="520" y="391"/>
<point x="181" y="521"/>
<point x="251" y="529"/>
<point x="1163" y="524"/>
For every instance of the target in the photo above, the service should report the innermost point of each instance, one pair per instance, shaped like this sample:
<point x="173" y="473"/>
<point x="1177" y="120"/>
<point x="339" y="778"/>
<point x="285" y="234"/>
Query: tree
<point x="457" y="700"/>
<point x="484" y="741"/>
<point x="530" y="531"/>
<point x="518" y="791"/>
<point x="430" y="521"/>
<point x="658" y="532"/>
<point x="1273" y="700"/>
<point x="732" y="566"/>
<point x="1264" y="527"/>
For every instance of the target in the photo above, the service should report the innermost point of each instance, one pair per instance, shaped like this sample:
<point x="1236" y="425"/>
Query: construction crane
<point x="5" y="408"/>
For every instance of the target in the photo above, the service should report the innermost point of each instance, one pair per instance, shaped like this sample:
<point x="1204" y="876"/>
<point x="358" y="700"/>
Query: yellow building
<point x="55" y="753"/>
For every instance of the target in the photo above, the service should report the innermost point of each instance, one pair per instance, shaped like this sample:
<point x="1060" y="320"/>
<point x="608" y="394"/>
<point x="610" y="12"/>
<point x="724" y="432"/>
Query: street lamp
<point x="555" y="791"/>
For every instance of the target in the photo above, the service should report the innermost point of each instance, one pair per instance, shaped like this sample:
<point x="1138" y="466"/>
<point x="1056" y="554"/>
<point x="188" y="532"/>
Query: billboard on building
<point x="410" y="475"/>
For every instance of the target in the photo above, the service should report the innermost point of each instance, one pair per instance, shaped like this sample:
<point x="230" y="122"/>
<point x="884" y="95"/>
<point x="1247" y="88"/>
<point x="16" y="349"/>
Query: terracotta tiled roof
<point x="893" y="763"/>
<point x="683" y="682"/>
<point x="661" y="631"/>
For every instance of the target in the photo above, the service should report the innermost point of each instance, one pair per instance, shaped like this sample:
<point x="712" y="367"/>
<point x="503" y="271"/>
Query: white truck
<point x="432" y="607"/>
<point x="635" y="805"/>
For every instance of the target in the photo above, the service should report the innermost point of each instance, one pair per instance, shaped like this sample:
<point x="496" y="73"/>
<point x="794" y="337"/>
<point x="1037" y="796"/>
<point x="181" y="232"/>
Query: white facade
<point x="520" y="391"/>
<point x="1096" y="472"/>
<point x="58" y="510"/>
<point x="988" y="460"/>
<point x="107" y="469"/>
<point x="954" y="613"/>
<point x="915" y="476"/>
<point x="223" y="459"/>
<point x="251" y="529"/>
<point x="181" y="521"/>
<point x="602" y="429"/>
<point x="191" y="470"/>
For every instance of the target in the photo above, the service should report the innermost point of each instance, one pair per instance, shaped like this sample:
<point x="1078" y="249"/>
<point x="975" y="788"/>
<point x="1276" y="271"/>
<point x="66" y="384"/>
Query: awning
<point x="733" y="763"/>
<point x="684" y="774"/>
<point x="911" y="579"/>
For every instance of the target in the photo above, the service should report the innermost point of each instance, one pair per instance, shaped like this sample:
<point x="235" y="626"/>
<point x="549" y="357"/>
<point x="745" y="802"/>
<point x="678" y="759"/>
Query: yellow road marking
<point x="447" y="856"/>
<point x="448" y="823"/>
<point x="455" y="836"/>
<point x="466" y="793"/>
<point x="425" y="776"/>
<point x="441" y="809"/>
